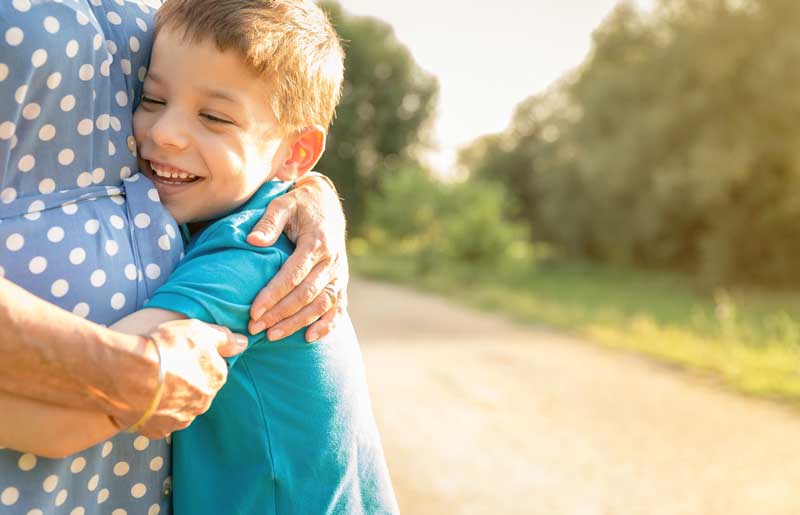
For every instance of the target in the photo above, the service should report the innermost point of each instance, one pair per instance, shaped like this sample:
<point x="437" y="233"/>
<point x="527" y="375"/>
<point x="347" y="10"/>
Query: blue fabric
<point x="292" y="430"/>
<point x="79" y="226"/>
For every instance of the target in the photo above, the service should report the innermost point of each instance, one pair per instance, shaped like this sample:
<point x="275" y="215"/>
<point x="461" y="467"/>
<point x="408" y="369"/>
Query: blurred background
<point x="573" y="230"/>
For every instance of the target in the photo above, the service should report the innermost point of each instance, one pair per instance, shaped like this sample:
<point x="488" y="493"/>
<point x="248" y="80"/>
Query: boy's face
<point x="206" y="134"/>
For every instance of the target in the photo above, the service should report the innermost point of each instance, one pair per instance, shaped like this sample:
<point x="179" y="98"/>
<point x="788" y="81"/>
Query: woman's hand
<point x="312" y="283"/>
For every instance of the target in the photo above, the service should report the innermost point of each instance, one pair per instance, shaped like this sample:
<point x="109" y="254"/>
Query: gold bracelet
<point x="151" y="408"/>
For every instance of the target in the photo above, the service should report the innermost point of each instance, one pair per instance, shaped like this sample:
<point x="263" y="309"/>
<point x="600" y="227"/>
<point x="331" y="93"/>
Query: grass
<point x="749" y="340"/>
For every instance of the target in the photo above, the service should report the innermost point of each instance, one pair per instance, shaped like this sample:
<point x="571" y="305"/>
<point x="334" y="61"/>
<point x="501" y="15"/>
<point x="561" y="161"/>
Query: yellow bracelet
<point x="151" y="408"/>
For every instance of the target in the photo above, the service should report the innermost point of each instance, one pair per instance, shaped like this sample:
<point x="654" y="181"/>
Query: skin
<point x="208" y="145"/>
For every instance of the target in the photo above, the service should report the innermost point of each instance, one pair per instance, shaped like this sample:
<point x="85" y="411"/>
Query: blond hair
<point x="289" y="43"/>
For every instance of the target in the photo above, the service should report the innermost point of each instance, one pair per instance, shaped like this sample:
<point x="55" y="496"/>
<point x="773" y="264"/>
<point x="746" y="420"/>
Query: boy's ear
<point x="305" y="148"/>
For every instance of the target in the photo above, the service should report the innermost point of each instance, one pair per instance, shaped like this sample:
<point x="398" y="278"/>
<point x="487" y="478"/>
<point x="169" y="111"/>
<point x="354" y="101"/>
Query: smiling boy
<point x="237" y="101"/>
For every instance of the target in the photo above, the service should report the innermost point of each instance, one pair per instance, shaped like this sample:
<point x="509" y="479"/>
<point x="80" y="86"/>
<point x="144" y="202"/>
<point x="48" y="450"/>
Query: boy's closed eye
<point x="151" y="100"/>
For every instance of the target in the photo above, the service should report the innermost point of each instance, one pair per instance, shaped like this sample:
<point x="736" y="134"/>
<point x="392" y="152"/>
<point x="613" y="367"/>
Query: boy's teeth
<point x="169" y="173"/>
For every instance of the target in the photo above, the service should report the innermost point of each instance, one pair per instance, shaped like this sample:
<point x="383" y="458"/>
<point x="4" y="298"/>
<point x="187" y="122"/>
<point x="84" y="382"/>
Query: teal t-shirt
<point x="292" y="430"/>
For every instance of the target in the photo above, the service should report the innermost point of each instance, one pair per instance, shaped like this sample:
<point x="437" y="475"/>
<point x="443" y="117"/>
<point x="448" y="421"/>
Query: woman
<point x="75" y="235"/>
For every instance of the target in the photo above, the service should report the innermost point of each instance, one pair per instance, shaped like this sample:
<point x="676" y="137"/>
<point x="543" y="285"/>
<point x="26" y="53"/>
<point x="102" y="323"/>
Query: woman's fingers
<point x="279" y="212"/>
<point x="329" y="320"/>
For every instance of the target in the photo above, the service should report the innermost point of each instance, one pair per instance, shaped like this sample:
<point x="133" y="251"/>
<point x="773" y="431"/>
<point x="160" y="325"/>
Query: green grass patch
<point x="750" y="340"/>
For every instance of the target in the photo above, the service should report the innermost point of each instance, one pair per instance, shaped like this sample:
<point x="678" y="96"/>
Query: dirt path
<point x="482" y="416"/>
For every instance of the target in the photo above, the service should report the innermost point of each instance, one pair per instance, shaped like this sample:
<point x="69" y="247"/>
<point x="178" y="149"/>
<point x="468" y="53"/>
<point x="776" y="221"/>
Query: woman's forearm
<point x="48" y="430"/>
<point x="53" y="356"/>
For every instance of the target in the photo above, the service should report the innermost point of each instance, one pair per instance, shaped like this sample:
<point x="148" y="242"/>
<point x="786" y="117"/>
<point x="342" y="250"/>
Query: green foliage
<point x="436" y="224"/>
<point x="673" y="145"/>
<point x="384" y="115"/>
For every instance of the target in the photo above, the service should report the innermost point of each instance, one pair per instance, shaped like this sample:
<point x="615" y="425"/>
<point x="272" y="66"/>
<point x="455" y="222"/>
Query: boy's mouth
<point x="165" y="174"/>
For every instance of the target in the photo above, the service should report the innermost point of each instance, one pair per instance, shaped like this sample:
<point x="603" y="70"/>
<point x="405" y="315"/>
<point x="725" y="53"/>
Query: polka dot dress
<point x="79" y="226"/>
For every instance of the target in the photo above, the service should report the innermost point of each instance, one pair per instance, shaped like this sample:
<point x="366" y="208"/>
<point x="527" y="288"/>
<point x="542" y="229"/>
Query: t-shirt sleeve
<point x="218" y="279"/>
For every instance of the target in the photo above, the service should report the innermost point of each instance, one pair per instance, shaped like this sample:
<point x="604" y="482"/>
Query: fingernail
<point x="240" y="340"/>
<point x="258" y="313"/>
<point x="312" y="336"/>
<point x="257" y="327"/>
<point x="275" y="335"/>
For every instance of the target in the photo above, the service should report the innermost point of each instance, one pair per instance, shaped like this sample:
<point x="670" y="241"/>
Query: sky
<point x="488" y="55"/>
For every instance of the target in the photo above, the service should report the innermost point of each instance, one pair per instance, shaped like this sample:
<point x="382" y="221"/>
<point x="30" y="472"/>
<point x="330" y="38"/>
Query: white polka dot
<point x="92" y="484"/>
<point x="111" y="46"/>
<point x="122" y="98"/>
<point x="152" y="194"/>
<point x="82" y="18"/>
<point x="39" y="57"/>
<point x="26" y="462"/>
<point x="47" y="132"/>
<point x="84" y="179"/>
<point x="119" y="511"/>
<point x="115" y="123"/>
<point x="54" y="80"/>
<point x="47" y="186"/>
<point x="106" y="449"/>
<point x="20" y="94"/>
<point x="51" y="25"/>
<point x="61" y="497"/>
<point x="138" y="490"/>
<point x="2" y="272"/>
<point x="125" y="64"/>
<point x="85" y="127"/>
<point x="117" y="222"/>
<point x="112" y="248"/>
<point x="55" y="234"/>
<point x="7" y="130"/>
<point x="35" y="207"/>
<point x="105" y="68"/>
<point x="59" y="288"/>
<point x="156" y="463"/>
<point x="15" y="242"/>
<point x="124" y="172"/>
<point x="142" y="73"/>
<point x="98" y="278"/>
<point x="164" y="243"/>
<point x="117" y="199"/>
<point x="98" y="174"/>
<point x="3" y="72"/>
<point x="134" y="43"/>
<point x="117" y="302"/>
<point x="102" y="496"/>
<point x="81" y="309"/>
<point x="121" y="468"/>
<point x="26" y="163"/>
<point x="37" y="265"/>
<point x="103" y="122"/>
<point x="70" y="208"/>
<point x="66" y="156"/>
<point x="10" y="496"/>
<point x="92" y="226"/>
<point x="36" y="511"/>
<point x="152" y="271"/>
<point x="14" y="36"/>
<point x="31" y="111"/>
<point x="130" y="272"/>
<point x="67" y="103"/>
<point x="141" y="443"/>
<point x="170" y="231"/>
<point x="78" y="510"/>
<point x="72" y="48"/>
<point x="154" y="509"/>
<point x="142" y="220"/>
<point x="77" y="256"/>
<point x="21" y="5"/>
<point x="86" y="72"/>
<point x="50" y="483"/>
<point x="78" y="464"/>
<point x="8" y="195"/>
<point x="97" y="42"/>
<point x="111" y="149"/>
<point x="114" y="18"/>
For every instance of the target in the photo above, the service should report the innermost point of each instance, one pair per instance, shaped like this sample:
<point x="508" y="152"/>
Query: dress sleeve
<point x="218" y="279"/>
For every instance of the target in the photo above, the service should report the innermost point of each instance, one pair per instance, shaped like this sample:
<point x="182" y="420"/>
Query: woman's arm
<point x="311" y="287"/>
<point x="55" y="431"/>
<point x="52" y="356"/>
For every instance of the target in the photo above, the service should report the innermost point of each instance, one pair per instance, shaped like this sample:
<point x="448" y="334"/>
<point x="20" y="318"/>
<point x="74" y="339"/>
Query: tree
<point x="383" y="119"/>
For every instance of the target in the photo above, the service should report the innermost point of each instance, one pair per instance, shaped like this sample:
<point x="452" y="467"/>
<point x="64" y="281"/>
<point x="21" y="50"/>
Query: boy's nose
<point x="169" y="131"/>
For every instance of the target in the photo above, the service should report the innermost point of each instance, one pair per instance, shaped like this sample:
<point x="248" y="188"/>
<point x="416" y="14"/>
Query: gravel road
<point x="480" y="415"/>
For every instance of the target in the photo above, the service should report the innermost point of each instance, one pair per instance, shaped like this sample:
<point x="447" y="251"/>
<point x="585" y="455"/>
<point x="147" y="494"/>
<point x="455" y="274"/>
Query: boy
<point x="237" y="101"/>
